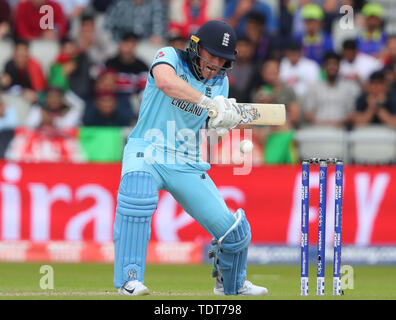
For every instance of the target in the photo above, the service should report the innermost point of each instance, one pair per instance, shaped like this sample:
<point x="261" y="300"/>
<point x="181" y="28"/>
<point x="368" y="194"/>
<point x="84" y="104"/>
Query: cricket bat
<point x="259" y="114"/>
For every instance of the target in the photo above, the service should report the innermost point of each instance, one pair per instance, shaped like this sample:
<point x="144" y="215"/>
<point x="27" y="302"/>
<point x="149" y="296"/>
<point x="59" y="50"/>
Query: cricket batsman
<point x="163" y="153"/>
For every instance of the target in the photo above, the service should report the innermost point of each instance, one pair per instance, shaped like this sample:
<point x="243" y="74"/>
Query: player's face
<point x="210" y="64"/>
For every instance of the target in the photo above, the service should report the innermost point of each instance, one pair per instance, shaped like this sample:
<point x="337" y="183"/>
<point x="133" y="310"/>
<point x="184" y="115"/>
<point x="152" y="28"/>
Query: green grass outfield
<point x="177" y="282"/>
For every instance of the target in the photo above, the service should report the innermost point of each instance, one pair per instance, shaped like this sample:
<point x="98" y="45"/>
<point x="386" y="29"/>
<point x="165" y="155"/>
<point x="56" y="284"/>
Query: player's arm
<point x="173" y="86"/>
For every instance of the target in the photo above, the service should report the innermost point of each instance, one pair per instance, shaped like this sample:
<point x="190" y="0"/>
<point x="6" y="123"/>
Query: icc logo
<point x="132" y="274"/>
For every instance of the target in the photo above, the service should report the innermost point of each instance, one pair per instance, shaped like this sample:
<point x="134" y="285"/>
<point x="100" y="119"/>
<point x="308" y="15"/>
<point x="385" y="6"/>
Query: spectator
<point x="71" y="70"/>
<point x="132" y="72"/>
<point x="8" y="116"/>
<point x="98" y="48"/>
<point x="73" y="8"/>
<point x="298" y="25"/>
<point x="236" y="12"/>
<point x="389" y="15"/>
<point x="270" y="89"/>
<point x="146" y="18"/>
<point x="27" y="20"/>
<point x="265" y="43"/>
<point x="107" y="82"/>
<point x="377" y="105"/>
<point x="102" y="5"/>
<point x="8" y="123"/>
<point x="391" y="82"/>
<point x="56" y="111"/>
<point x="5" y="18"/>
<point x="243" y="70"/>
<point x="390" y="52"/>
<point x="186" y="16"/>
<point x="331" y="101"/>
<point x="23" y="73"/>
<point x="285" y="19"/>
<point x="355" y="65"/>
<point x="176" y="41"/>
<point x="390" y="59"/>
<point x="315" y="42"/>
<point x="297" y="71"/>
<point x="331" y="10"/>
<point x="106" y="112"/>
<point x="372" y="40"/>
<point x="278" y="145"/>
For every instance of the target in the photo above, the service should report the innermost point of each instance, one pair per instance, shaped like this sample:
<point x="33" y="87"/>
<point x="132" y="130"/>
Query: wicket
<point x="320" y="263"/>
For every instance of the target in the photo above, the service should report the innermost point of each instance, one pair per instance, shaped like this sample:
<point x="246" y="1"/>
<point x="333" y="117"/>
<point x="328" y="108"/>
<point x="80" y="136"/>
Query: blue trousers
<point x="137" y="199"/>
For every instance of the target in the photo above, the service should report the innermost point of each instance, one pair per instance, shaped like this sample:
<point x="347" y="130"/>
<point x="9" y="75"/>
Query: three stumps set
<point x="320" y="262"/>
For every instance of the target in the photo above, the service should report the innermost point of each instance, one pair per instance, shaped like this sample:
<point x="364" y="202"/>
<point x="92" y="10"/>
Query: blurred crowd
<point x="75" y="63"/>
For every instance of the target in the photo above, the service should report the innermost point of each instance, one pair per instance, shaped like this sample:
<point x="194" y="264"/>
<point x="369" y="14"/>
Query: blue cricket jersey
<point x="172" y="125"/>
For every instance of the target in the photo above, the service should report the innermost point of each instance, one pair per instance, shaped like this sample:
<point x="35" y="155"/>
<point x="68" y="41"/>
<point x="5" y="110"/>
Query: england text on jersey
<point x="187" y="106"/>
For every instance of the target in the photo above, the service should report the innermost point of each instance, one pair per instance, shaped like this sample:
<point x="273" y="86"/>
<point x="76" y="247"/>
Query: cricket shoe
<point x="133" y="288"/>
<point x="247" y="289"/>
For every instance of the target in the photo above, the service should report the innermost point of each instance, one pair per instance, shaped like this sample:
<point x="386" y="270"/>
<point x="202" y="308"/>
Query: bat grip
<point x="212" y="112"/>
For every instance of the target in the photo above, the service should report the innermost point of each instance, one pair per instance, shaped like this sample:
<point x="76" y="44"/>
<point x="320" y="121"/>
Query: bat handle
<point x="212" y="112"/>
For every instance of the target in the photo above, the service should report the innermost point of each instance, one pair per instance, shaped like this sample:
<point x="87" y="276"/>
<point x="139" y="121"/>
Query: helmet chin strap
<point x="196" y="63"/>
